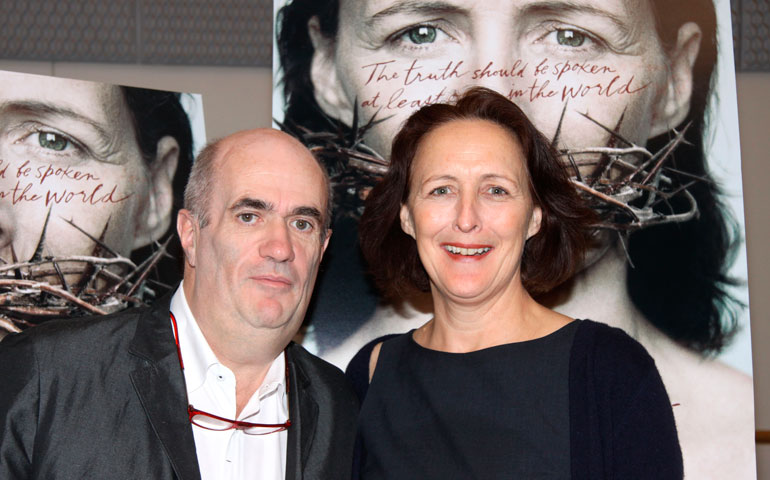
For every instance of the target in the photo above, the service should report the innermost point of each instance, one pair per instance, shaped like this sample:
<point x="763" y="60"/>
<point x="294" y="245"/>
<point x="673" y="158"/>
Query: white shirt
<point x="230" y="454"/>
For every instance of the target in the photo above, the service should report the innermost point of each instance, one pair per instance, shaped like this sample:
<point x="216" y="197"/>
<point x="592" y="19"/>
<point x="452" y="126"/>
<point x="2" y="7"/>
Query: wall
<point x="754" y="117"/>
<point x="236" y="98"/>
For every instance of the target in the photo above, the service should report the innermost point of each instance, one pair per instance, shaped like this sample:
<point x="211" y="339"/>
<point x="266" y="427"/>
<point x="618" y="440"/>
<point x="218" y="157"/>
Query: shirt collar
<point x="197" y="354"/>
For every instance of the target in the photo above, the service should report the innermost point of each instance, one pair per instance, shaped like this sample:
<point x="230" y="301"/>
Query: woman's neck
<point x="511" y="316"/>
<point x="600" y="292"/>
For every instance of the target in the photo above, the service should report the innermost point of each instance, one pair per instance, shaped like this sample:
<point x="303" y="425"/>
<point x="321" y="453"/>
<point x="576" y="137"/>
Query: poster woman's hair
<point x="679" y="278"/>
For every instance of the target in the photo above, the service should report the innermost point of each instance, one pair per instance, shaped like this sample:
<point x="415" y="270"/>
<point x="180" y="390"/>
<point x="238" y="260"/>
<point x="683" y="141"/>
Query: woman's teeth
<point x="466" y="251"/>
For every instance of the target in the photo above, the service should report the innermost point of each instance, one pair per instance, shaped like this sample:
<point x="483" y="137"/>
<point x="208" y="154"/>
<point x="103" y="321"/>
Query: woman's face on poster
<point x="68" y="152"/>
<point x="600" y="58"/>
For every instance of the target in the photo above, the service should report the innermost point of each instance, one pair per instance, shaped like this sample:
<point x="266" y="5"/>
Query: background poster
<point x="91" y="176"/>
<point x="347" y="74"/>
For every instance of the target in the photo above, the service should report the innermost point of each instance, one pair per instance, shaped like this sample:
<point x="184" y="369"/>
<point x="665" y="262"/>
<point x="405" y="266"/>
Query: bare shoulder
<point x="714" y="411"/>
<point x="373" y="359"/>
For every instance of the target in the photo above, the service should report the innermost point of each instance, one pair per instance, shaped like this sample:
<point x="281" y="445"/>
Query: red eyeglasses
<point x="215" y="422"/>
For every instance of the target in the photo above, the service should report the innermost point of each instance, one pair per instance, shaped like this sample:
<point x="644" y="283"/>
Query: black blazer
<point x="104" y="397"/>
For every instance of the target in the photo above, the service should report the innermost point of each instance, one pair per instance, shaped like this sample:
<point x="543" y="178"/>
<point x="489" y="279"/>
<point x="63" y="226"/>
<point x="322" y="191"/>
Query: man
<point x="87" y="170"/>
<point x="106" y="397"/>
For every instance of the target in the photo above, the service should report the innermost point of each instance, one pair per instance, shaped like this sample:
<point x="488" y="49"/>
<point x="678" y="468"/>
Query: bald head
<point x="261" y="144"/>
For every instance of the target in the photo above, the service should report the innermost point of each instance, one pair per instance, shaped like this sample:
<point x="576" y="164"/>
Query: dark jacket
<point x="104" y="397"/>
<point x="621" y="419"/>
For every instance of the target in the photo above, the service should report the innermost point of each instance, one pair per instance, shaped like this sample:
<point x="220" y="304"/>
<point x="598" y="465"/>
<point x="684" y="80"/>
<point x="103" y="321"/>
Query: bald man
<point x="206" y="383"/>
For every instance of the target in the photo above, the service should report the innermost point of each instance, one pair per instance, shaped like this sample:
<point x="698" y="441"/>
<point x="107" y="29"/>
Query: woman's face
<point x="600" y="58"/>
<point x="68" y="153"/>
<point x="470" y="209"/>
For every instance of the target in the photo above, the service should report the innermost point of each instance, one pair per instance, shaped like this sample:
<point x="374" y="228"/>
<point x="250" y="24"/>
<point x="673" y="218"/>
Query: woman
<point x="98" y="167"/>
<point x="477" y="209"/>
<point x="667" y="285"/>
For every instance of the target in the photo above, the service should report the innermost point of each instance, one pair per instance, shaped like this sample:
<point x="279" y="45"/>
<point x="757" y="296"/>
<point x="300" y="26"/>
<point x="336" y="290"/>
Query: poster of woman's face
<point x="625" y="91"/>
<point x="89" y="175"/>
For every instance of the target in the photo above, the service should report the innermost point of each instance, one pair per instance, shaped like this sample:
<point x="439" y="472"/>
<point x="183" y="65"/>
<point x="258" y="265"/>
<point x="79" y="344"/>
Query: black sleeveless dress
<point x="500" y="412"/>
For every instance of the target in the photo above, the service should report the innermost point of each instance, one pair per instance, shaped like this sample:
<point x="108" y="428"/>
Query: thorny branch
<point x="45" y="287"/>
<point x="629" y="186"/>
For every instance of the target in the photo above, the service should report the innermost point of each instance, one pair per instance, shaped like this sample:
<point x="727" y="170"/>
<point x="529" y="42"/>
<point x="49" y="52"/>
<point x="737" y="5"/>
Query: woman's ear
<point x="534" y="222"/>
<point x="328" y="90"/>
<point x="674" y="103"/>
<point x="407" y="225"/>
<point x="153" y="222"/>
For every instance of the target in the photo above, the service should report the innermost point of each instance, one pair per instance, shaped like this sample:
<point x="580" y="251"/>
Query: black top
<point x="500" y="412"/>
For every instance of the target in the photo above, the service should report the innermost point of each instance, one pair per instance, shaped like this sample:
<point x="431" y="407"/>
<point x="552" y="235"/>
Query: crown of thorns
<point x="36" y="290"/>
<point x="629" y="186"/>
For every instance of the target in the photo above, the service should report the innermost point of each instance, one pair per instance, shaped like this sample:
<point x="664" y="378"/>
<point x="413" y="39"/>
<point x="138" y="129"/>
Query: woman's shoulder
<point x="609" y="348"/>
<point x="357" y="370"/>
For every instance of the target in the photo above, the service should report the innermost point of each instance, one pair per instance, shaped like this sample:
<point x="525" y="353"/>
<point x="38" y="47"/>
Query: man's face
<point x="254" y="263"/>
<point x="596" y="57"/>
<point x="68" y="151"/>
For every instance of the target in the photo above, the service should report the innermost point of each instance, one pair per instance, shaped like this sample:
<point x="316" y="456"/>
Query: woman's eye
<point x="440" y="191"/>
<point x="302" y="225"/>
<point x="497" y="191"/>
<point x="52" y="141"/>
<point x="422" y="34"/>
<point x="570" y="38"/>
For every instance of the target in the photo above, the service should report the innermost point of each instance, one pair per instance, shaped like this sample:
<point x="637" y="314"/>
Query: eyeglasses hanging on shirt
<point x="210" y="421"/>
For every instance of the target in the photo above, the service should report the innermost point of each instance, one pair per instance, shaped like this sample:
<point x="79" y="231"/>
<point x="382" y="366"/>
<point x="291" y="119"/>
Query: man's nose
<point x="277" y="242"/>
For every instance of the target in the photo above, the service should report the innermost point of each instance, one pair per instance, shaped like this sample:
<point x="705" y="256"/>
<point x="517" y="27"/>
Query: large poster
<point x="621" y="87"/>
<point x="91" y="176"/>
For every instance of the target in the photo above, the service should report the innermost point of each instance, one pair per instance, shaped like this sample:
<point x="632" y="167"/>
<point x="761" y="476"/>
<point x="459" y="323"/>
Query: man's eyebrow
<point x="564" y="7"/>
<point x="415" y="7"/>
<point x="41" y="109"/>
<point x="252" y="203"/>
<point x="311" y="212"/>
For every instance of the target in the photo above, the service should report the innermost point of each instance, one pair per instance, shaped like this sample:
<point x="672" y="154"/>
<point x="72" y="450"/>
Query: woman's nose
<point x="467" y="219"/>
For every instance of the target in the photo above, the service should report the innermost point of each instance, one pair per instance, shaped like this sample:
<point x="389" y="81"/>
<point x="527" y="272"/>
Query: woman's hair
<point x="550" y="256"/>
<point x="679" y="277"/>
<point x="156" y="114"/>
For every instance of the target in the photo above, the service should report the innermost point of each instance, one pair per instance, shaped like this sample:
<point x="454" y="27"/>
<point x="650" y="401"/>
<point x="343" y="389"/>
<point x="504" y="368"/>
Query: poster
<point x="91" y="176"/>
<point x="633" y="81"/>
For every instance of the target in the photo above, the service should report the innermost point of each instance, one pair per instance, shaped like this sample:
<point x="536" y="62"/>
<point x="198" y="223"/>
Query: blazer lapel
<point x="159" y="383"/>
<point x="304" y="415"/>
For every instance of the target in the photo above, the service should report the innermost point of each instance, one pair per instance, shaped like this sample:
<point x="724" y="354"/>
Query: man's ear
<point x="187" y="228"/>
<point x="407" y="224"/>
<point x="674" y="103"/>
<point x="326" y="241"/>
<point x="329" y="92"/>
<point x="156" y="218"/>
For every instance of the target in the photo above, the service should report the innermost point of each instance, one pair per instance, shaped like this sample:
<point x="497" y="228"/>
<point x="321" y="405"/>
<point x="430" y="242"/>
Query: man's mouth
<point x="465" y="251"/>
<point x="277" y="281"/>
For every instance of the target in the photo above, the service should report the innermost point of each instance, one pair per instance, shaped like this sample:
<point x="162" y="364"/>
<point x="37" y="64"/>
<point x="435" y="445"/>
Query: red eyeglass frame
<point x="234" y="424"/>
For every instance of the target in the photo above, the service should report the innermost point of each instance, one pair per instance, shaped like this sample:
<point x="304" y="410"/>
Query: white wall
<point x="754" y="117"/>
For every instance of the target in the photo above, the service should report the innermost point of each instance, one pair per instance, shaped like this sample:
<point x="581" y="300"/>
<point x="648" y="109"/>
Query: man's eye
<point x="302" y="225"/>
<point x="422" y="34"/>
<point x="247" y="217"/>
<point x="570" y="38"/>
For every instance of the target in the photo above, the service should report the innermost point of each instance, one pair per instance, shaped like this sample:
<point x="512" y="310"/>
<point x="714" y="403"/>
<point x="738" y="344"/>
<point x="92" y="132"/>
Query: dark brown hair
<point x="550" y="256"/>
